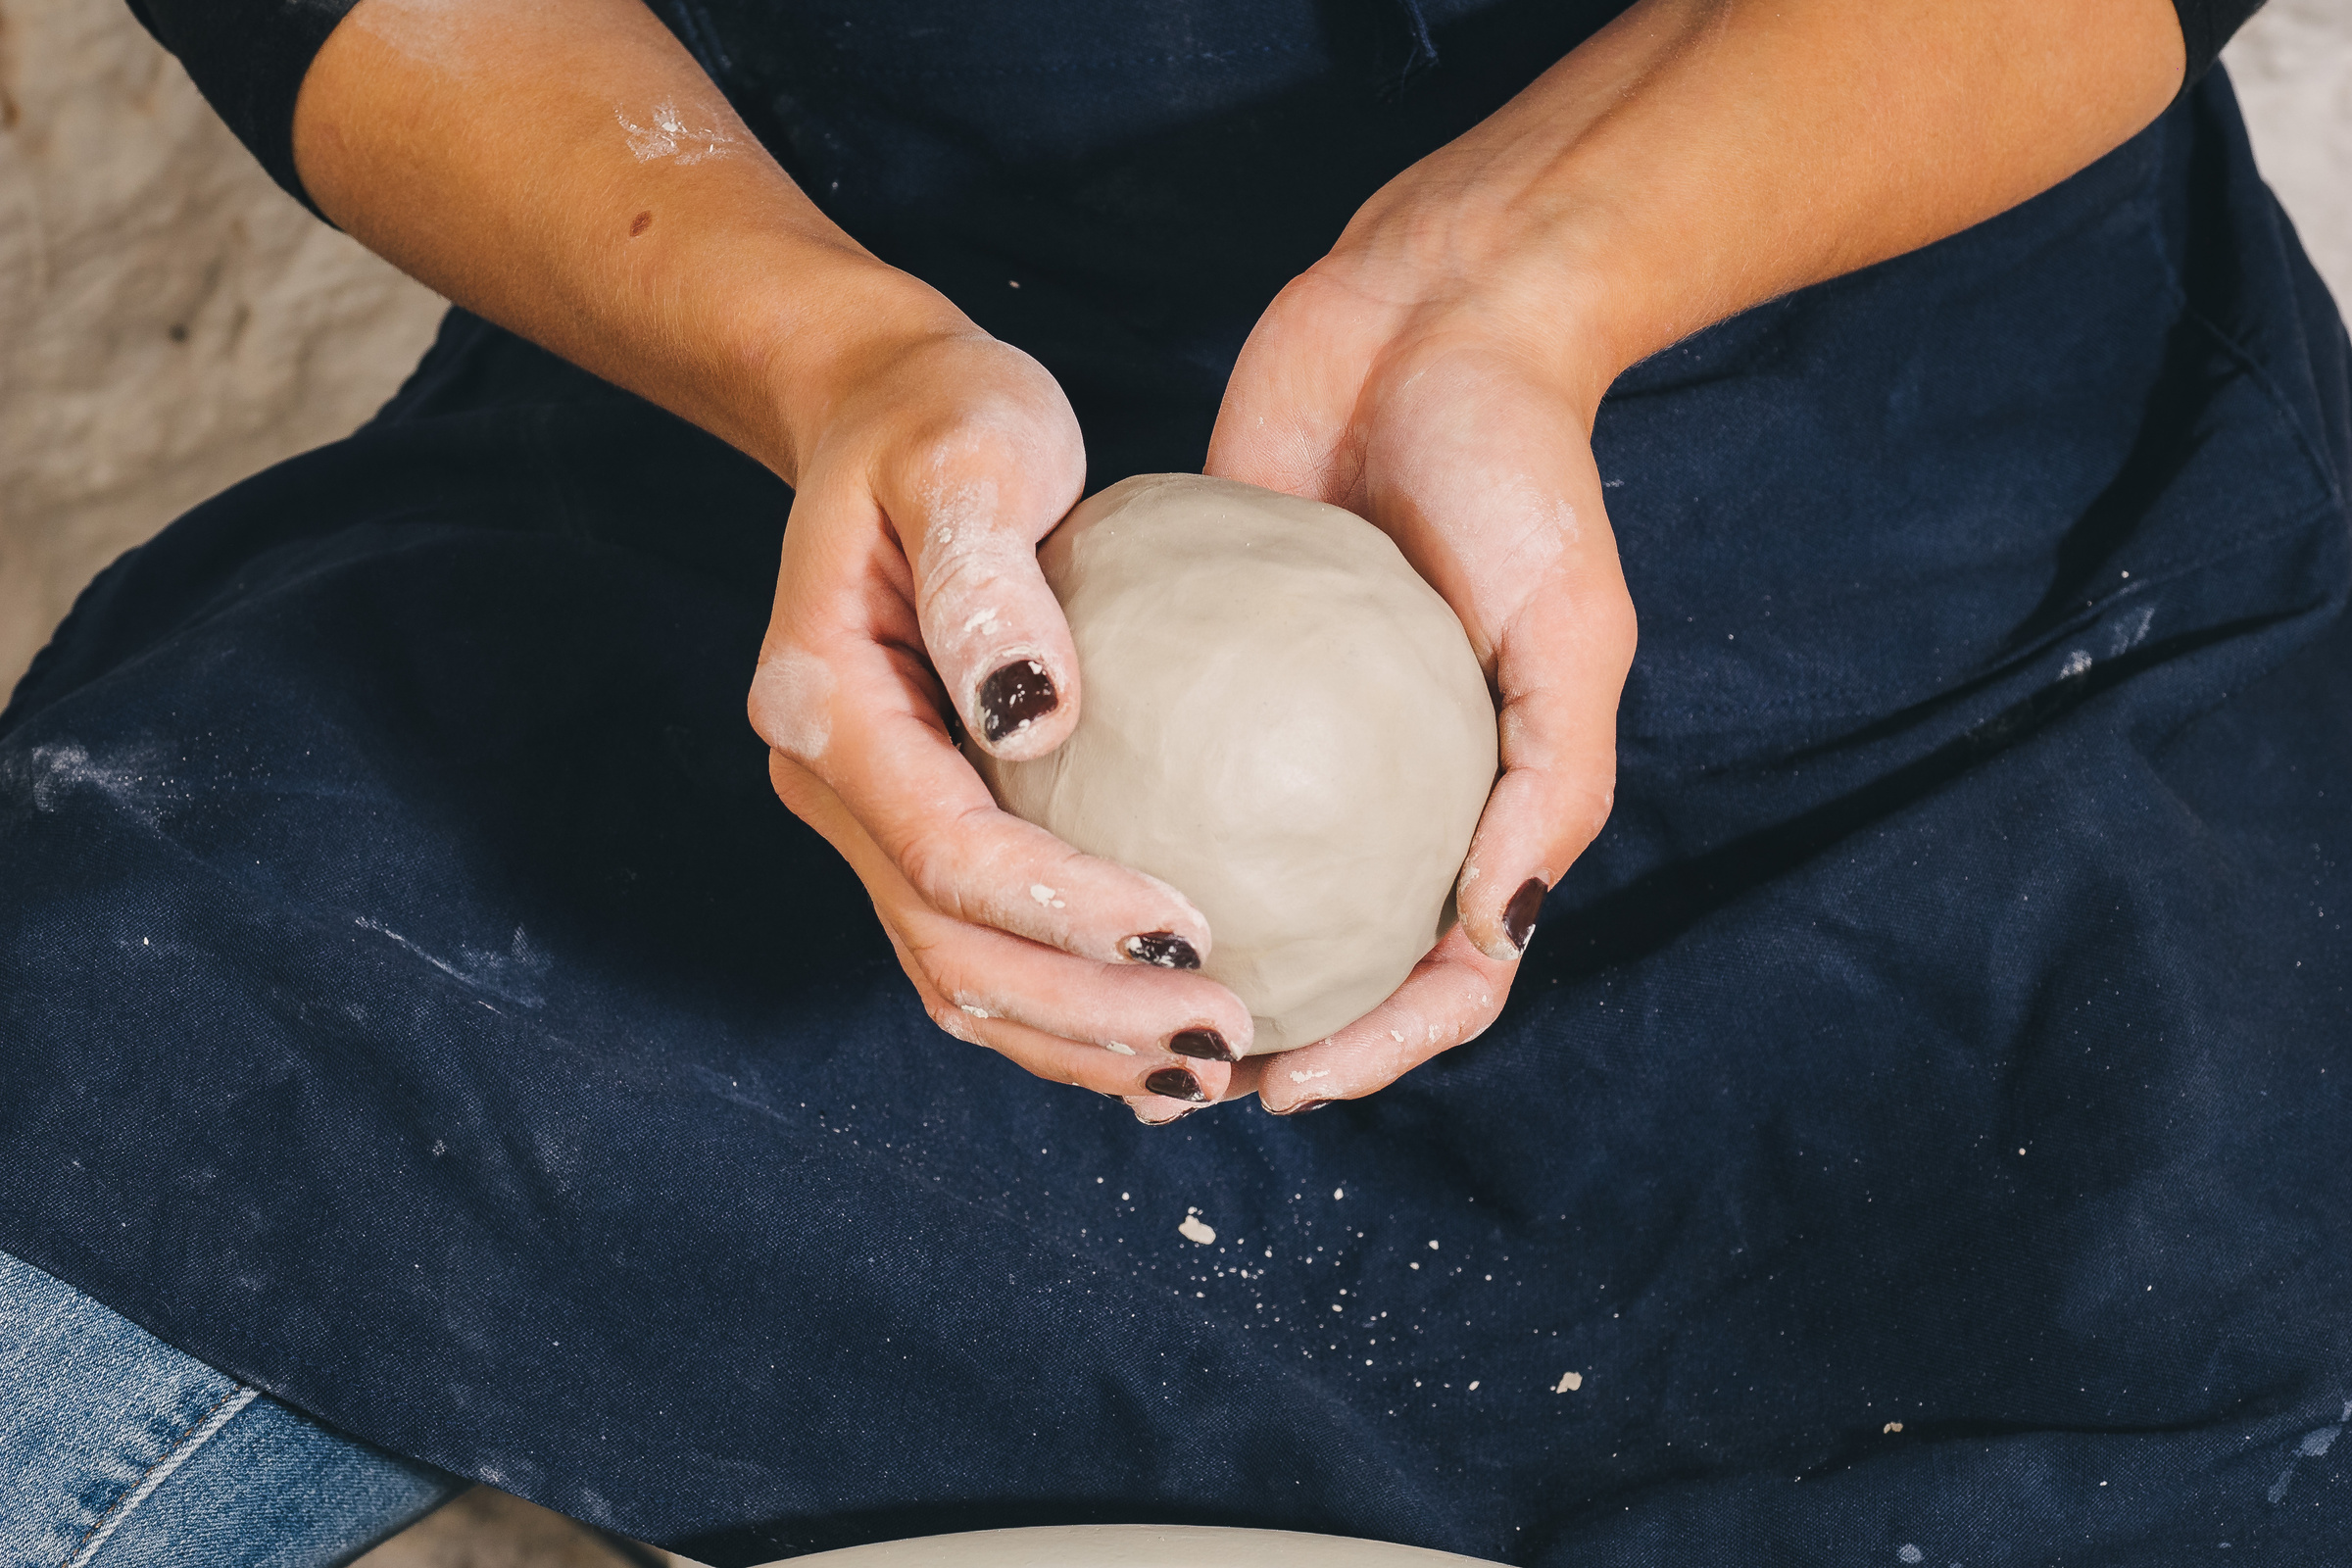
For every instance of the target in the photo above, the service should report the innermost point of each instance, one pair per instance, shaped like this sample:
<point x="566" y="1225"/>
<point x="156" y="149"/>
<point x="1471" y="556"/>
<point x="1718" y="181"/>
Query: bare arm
<point x="512" y="154"/>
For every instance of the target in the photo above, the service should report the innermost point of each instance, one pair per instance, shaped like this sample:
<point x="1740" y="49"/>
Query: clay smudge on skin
<point x="1019" y="690"/>
<point x="794" y="694"/>
<point x="966" y="563"/>
<point x="669" y="137"/>
<point x="1118" y="1049"/>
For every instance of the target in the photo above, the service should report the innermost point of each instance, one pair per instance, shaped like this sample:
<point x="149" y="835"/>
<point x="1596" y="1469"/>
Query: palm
<point x="1428" y="422"/>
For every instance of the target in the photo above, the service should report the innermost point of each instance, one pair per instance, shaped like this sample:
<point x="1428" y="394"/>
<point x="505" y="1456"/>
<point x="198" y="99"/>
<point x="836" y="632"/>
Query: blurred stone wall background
<point x="170" y="322"/>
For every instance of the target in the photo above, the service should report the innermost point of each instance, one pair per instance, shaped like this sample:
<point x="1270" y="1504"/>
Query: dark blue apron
<point x="1920" y="1130"/>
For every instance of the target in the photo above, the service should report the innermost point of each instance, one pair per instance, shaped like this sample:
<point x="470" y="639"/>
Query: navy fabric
<point x="1917" y="1135"/>
<point x="248" y="58"/>
<point x="2206" y="27"/>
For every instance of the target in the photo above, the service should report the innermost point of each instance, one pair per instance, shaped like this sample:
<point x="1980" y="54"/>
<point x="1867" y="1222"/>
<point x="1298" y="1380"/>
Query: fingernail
<point x="1016" y="697"/>
<point x="1161" y="1121"/>
<point x="1201" y="1045"/>
<point x="1519" y="915"/>
<point x="1304" y="1107"/>
<point x="1174" y="1082"/>
<point x="1163" y="948"/>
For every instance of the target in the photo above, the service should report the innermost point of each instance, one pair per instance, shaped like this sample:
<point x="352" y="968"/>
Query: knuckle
<point x="938" y="861"/>
<point x="929" y="956"/>
<point x="790" y="702"/>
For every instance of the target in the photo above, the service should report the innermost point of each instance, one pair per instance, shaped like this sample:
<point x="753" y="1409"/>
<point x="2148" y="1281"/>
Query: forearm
<point x="1698" y="157"/>
<point x="569" y="172"/>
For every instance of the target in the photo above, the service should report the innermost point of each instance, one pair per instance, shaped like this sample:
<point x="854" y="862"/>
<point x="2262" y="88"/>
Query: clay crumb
<point x="1569" y="1383"/>
<point x="1193" y="1230"/>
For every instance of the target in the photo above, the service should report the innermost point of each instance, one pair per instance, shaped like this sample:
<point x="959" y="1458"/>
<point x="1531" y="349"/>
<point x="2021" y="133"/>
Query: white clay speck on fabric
<point x="1280" y="719"/>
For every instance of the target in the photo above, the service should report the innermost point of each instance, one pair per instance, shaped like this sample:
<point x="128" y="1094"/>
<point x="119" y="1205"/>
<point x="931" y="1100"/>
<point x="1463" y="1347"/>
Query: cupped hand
<point x="910" y="591"/>
<point x="1429" y="378"/>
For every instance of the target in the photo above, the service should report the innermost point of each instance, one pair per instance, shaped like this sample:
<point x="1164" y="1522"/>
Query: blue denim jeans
<point x="120" y="1451"/>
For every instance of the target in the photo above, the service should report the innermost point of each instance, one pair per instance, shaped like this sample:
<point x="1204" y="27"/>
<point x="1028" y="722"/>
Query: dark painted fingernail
<point x="1163" y="948"/>
<point x="1016" y="697"/>
<point x="1174" y="1082"/>
<point x="1519" y="915"/>
<point x="1201" y="1045"/>
<point x="1304" y="1107"/>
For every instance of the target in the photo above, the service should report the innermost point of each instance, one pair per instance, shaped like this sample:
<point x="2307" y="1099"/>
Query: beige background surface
<point x="170" y="323"/>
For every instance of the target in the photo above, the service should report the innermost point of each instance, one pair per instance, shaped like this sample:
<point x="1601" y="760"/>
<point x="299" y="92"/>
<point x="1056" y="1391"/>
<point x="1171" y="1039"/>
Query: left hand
<point x="1438" y="372"/>
<point x="1412" y="377"/>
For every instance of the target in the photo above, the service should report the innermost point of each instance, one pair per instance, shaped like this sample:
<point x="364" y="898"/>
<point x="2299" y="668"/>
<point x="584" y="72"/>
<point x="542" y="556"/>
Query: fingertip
<point x="1203" y="1045"/>
<point x="1499" y="926"/>
<point x="1163" y="950"/>
<point x="1173" y="1093"/>
<point x="1018" y="711"/>
<point x="1176" y="936"/>
<point x="1519" y="915"/>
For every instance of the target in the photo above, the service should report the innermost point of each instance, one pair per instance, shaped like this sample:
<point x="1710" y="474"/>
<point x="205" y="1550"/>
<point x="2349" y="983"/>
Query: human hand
<point x="910" y="588"/>
<point x="481" y="148"/>
<point x="1422" y="378"/>
<point x="1439" y="372"/>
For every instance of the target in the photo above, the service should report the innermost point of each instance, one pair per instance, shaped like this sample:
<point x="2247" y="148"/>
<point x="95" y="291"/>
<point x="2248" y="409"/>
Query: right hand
<point x="932" y="469"/>
<point x="487" y="149"/>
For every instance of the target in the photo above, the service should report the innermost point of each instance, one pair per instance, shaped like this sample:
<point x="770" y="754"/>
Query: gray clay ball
<point x="1280" y="719"/>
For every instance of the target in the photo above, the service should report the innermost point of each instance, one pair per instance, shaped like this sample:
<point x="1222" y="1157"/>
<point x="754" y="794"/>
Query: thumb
<point x="969" y="520"/>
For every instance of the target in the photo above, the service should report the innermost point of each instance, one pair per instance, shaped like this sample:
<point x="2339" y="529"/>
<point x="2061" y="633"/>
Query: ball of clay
<point x="1280" y="719"/>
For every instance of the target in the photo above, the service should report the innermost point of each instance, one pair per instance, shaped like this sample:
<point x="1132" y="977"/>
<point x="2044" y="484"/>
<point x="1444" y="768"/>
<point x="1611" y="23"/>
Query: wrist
<point x="803" y="359"/>
<point x="1461" y="275"/>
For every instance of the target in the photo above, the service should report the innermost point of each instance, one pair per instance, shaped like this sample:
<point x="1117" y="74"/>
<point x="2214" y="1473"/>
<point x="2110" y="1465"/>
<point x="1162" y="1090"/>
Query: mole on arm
<point x="643" y="221"/>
